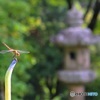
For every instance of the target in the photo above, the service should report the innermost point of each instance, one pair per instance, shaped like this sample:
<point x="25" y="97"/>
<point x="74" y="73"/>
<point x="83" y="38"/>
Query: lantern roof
<point x="75" y="34"/>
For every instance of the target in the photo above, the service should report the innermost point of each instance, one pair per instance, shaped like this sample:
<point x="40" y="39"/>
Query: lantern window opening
<point x="72" y="55"/>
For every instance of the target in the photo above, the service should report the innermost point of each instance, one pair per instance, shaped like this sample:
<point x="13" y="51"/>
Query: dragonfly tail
<point x="6" y="45"/>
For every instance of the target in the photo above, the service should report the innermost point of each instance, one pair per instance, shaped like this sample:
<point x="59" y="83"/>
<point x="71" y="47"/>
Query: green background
<point x="28" y="25"/>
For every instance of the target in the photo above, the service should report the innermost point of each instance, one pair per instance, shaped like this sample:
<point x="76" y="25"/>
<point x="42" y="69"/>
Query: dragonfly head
<point x="17" y="54"/>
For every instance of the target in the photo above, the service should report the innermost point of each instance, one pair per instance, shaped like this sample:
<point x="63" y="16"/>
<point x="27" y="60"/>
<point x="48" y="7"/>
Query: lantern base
<point x="73" y="76"/>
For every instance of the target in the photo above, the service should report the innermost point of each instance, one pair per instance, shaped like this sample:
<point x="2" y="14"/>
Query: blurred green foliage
<point x="28" y="25"/>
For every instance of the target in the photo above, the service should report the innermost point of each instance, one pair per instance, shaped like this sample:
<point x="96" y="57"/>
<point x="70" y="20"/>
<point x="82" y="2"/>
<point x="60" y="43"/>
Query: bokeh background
<point x="28" y="25"/>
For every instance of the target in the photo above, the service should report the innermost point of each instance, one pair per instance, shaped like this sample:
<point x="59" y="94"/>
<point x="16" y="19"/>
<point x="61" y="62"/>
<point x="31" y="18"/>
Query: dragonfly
<point x="14" y="51"/>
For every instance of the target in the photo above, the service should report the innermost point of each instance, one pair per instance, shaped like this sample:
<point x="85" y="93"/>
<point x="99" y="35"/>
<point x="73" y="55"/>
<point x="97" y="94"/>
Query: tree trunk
<point x="95" y="15"/>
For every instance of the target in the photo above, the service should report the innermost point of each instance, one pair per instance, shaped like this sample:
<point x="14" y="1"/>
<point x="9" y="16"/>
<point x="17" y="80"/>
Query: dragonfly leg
<point x="14" y="56"/>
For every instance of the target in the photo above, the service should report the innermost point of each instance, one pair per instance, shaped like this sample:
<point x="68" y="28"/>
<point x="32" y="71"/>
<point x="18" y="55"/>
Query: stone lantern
<point x="75" y="41"/>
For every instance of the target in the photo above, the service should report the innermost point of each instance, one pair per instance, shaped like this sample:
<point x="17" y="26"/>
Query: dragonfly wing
<point x="21" y="51"/>
<point x="5" y="51"/>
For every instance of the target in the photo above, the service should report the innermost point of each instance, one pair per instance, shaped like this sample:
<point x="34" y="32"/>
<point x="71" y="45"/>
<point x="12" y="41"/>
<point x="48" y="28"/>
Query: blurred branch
<point x="95" y="15"/>
<point x="88" y="7"/>
<point x="70" y="3"/>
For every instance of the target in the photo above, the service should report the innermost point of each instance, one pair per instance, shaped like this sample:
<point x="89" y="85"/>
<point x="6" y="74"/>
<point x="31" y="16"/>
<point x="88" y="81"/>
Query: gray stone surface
<point x="76" y="76"/>
<point x="74" y="17"/>
<point x="75" y="36"/>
